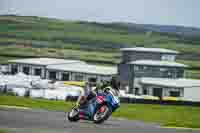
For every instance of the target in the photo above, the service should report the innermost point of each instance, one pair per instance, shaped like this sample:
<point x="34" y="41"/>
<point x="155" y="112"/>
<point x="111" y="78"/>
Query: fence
<point x="161" y="102"/>
<point x="148" y="101"/>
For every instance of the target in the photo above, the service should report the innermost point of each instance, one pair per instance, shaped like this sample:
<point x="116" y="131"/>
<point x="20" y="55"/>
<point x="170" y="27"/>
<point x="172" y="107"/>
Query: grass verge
<point x="3" y="130"/>
<point x="173" y="116"/>
<point x="35" y="103"/>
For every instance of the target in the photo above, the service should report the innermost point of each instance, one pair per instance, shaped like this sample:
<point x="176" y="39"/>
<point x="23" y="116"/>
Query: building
<point x="61" y="69"/>
<point x="153" y="71"/>
<point x="35" y="66"/>
<point x="80" y="72"/>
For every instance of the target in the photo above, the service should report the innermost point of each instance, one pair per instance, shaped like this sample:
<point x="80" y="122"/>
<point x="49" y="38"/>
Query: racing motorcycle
<point x="98" y="109"/>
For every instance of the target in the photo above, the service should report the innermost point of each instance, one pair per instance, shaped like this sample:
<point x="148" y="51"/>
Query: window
<point x="38" y="71"/>
<point x="168" y="57"/>
<point x="79" y="77"/>
<point x="174" y="93"/>
<point x="163" y="69"/>
<point x="140" y="67"/>
<point x="136" y="68"/>
<point x="65" y="76"/>
<point x="137" y="91"/>
<point x="168" y="74"/>
<point x="26" y="70"/>
<point x="52" y="75"/>
<point x="180" y="73"/>
<point x="158" y="92"/>
<point x="145" y="91"/>
<point x="145" y="67"/>
<point x="14" y="69"/>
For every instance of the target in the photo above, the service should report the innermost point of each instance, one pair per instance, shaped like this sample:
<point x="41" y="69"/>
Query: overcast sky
<point x="168" y="12"/>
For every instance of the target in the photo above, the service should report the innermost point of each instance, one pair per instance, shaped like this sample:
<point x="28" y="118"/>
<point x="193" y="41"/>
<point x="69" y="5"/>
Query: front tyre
<point x="102" y="114"/>
<point x="73" y="115"/>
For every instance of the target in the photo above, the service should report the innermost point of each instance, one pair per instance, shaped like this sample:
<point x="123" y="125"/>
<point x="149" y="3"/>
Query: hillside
<point x="29" y="36"/>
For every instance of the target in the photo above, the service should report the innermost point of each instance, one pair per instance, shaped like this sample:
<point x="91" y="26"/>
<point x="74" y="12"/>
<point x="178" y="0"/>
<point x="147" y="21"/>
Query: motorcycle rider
<point x="85" y="94"/>
<point x="88" y="92"/>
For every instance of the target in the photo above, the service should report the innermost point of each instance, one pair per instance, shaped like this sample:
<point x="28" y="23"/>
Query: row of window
<point x="52" y="74"/>
<point x="26" y="70"/>
<point x="162" y="72"/>
<point x="157" y="92"/>
<point x="142" y="68"/>
<point x="132" y="56"/>
<point x="66" y="77"/>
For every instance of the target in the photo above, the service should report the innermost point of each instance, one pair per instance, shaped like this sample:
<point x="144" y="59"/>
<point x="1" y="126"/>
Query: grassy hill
<point x="29" y="36"/>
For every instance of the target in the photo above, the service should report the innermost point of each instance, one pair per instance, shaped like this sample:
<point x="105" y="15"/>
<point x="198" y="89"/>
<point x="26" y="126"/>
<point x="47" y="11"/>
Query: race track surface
<point x="40" y="121"/>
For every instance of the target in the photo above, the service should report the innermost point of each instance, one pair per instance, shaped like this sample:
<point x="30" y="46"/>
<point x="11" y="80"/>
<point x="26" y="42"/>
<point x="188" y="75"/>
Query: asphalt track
<point x="40" y="121"/>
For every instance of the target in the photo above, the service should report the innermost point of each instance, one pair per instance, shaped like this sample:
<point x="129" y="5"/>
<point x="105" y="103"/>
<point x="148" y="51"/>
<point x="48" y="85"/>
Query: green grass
<point x="191" y="63"/>
<point x="4" y="59"/>
<point x="15" y="51"/>
<point x="34" y="103"/>
<point x="193" y="71"/>
<point x="194" y="74"/>
<point x="180" y="116"/>
<point x="3" y="130"/>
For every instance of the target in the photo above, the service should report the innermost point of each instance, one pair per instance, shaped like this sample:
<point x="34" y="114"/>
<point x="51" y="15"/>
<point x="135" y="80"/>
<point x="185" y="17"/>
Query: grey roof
<point x="85" y="68"/>
<point x="177" y="83"/>
<point x="44" y="61"/>
<point x="154" y="50"/>
<point x="157" y="63"/>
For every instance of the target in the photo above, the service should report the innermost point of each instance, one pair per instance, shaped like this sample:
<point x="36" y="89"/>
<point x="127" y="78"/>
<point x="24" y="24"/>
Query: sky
<point x="164" y="12"/>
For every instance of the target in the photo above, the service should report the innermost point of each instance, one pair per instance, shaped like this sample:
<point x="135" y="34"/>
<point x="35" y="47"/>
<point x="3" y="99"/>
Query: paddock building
<point x="62" y="69"/>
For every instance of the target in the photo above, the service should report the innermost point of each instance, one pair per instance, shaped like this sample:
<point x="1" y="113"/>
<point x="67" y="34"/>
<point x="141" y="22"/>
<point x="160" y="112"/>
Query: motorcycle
<point x="98" y="109"/>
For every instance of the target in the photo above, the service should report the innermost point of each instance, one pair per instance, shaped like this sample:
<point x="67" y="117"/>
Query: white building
<point x="35" y="66"/>
<point x="80" y="72"/>
<point x="62" y="69"/>
<point x="186" y="89"/>
<point x="155" y="72"/>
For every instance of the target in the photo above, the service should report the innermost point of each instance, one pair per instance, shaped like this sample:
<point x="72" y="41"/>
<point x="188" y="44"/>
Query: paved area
<point x="40" y="121"/>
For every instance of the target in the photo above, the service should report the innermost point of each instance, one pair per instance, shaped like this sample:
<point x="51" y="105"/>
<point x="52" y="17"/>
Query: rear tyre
<point x="102" y="114"/>
<point x="73" y="115"/>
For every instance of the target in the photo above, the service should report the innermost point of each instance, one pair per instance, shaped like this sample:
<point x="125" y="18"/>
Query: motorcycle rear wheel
<point x="73" y="115"/>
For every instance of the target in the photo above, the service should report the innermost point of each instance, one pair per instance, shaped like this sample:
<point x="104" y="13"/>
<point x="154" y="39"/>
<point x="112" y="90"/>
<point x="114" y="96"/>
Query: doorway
<point x="38" y="72"/>
<point x="14" y="69"/>
<point x="65" y="77"/>
<point x="158" y="92"/>
<point x="26" y="70"/>
<point x="52" y="75"/>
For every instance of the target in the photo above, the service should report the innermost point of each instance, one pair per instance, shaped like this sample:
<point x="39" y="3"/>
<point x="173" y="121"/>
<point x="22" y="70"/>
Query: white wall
<point x="4" y="68"/>
<point x="192" y="94"/>
<point x="166" y="91"/>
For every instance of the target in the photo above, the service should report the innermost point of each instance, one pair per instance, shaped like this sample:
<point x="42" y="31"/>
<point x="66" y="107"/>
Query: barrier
<point x="161" y="102"/>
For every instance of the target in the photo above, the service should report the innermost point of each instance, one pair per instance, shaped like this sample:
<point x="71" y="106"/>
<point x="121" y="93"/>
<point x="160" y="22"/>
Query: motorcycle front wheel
<point x="102" y="114"/>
